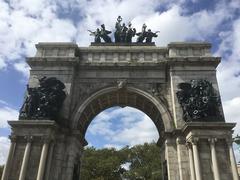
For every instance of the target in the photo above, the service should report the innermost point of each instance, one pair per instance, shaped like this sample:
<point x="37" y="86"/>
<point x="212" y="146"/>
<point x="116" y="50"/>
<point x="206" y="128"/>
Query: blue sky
<point x="23" y="23"/>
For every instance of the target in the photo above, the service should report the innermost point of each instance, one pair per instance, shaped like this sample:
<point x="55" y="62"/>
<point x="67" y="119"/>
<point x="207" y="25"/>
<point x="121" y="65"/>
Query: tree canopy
<point x="129" y="163"/>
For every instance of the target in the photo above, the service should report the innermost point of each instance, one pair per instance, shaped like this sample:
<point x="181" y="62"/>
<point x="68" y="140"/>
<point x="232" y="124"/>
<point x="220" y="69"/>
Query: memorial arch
<point x="175" y="86"/>
<point x="123" y="96"/>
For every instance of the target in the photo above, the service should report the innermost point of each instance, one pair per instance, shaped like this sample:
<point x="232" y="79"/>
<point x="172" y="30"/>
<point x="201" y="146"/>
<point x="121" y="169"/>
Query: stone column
<point x="214" y="158"/>
<point x="25" y="158"/>
<point x="49" y="161"/>
<point x="43" y="158"/>
<point x="172" y="159"/>
<point x="232" y="160"/>
<point x="8" y="164"/>
<point x="180" y="142"/>
<point x="196" y="159"/>
<point x="191" y="161"/>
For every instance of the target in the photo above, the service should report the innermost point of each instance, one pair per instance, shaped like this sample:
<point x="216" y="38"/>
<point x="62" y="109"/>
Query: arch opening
<point x="131" y="97"/>
<point x="118" y="127"/>
<point x="123" y="141"/>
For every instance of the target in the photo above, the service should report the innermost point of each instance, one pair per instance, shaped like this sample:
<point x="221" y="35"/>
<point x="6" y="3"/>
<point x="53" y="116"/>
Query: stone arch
<point x="128" y="96"/>
<point x="185" y="145"/>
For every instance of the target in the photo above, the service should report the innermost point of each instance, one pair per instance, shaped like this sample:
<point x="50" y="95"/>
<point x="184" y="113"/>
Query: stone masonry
<point x="104" y="75"/>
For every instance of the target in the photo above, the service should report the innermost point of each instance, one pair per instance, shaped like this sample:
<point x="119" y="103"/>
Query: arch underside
<point x="120" y="97"/>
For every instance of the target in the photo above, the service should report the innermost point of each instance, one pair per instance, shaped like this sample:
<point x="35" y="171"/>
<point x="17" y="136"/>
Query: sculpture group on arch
<point x="123" y="33"/>
<point x="45" y="101"/>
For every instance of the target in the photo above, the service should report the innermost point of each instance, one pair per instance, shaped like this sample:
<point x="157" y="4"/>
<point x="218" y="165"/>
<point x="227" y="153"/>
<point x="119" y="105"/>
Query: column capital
<point x="229" y="141"/>
<point x="46" y="139"/>
<point x="13" y="138"/>
<point x="28" y="138"/>
<point x="212" y="141"/>
<point x="180" y="140"/>
<point x="193" y="140"/>
<point x="169" y="142"/>
<point x="189" y="145"/>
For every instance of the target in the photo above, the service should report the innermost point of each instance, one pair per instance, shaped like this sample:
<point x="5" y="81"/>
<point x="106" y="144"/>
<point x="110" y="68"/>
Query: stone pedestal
<point x="29" y="143"/>
<point x="42" y="150"/>
<point x="210" y="149"/>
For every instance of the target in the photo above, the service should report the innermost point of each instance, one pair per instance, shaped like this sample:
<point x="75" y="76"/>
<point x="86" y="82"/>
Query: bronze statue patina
<point x="130" y="33"/>
<point x="150" y="35"/>
<point x="45" y="101"/>
<point x="123" y="33"/>
<point x="97" y="35"/>
<point x="142" y="35"/>
<point x="199" y="101"/>
<point x="146" y="35"/>
<point x="104" y="34"/>
<point x="118" y="28"/>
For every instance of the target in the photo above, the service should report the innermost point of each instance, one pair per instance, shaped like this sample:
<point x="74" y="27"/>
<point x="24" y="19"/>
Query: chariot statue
<point x="123" y="33"/>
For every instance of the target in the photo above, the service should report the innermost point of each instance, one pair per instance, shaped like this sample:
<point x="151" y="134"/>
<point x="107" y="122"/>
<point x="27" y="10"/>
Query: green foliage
<point x="1" y="170"/>
<point x="106" y="164"/>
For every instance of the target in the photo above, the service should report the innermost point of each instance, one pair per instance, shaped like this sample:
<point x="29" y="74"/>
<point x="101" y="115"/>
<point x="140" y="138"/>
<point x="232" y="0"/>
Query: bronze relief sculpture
<point x="45" y="101"/>
<point x="199" y="101"/>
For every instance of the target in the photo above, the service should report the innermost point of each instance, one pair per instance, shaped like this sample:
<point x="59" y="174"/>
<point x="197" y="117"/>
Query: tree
<point x="100" y="164"/>
<point x="107" y="164"/>
<point x="145" y="162"/>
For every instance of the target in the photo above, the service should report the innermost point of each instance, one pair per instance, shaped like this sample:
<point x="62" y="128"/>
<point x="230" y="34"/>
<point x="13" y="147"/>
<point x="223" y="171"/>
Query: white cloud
<point x="4" y="147"/>
<point x="229" y="70"/>
<point x="140" y="132"/>
<point x="7" y="113"/>
<point x="101" y="125"/>
<point x="232" y="113"/>
<point x="2" y="63"/>
<point x="33" y="7"/>
<point x="228" y="75"/>
<point x="133" y="127"/>
<point x="173" y="24"/>
<point x="23" y="24"/>
<point x="23" y="68"/>
<point x="3" y="102"/>
<point x="116" y="146"/>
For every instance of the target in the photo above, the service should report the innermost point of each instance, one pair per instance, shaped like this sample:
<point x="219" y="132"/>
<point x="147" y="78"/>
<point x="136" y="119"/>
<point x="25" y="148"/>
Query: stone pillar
<point x="172" y="159"/>
<point x="216" y="174"/>
<point x="10" y="157"/>
<point x="25" y="158"/>
<point x="180" y="142"/>
<point x="196" y="159"/>
<point x="49" y="162"/>
<point x="43" y="158"/>
<point x="191" y="161"/>
<point x="232" y="160"/>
